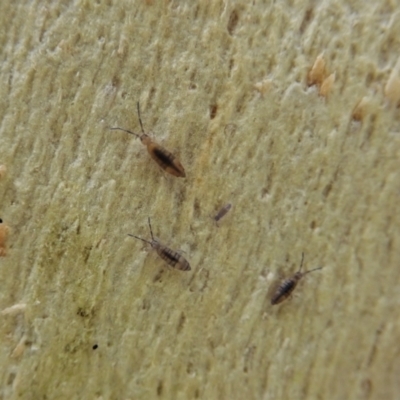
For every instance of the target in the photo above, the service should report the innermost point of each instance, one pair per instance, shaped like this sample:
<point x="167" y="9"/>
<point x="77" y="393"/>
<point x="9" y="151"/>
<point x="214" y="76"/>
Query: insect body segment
<point x="288" y="285"/>
<point x="165" y="159"/>
<point x="171" y="257"/>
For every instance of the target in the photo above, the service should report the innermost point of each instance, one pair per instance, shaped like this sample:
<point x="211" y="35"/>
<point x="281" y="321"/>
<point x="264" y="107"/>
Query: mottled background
<point x="224" y="85"/>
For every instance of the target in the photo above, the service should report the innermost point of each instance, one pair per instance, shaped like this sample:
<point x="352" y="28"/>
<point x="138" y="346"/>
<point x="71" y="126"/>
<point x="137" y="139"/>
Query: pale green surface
<point x="300" y="174"/>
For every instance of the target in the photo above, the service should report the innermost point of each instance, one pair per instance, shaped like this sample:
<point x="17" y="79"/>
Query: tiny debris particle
<point x="122" y="46"/>
<point x="95" y="346"/>
<point x="361" y="109"/>
<point x="263" y="86"/>
<point x="318" y="71"/>
<point x="3" y="171"/>
<point x="318" y="76"/>
<point x="4" y="230"/>
<point x="392" y="87"/>
<point x="230" y="129"/>
<point x="14" y="310"/>
<point x="327" y="85"/>
<point x="19" y="348"/>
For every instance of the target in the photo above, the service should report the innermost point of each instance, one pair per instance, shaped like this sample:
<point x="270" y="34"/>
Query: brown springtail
<point x="166" y="160"/>
<point x="171" y="257"/>
<point x="288" y="285"/>
<point x="222" y="212"/>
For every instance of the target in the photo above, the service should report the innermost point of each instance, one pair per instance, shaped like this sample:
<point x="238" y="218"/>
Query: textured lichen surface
<point x="224" y="85"/>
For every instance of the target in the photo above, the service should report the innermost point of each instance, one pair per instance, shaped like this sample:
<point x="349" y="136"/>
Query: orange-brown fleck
<point x="327" y="84"/>
<point x="4" y="230"/>
<point x="318" y="71"/>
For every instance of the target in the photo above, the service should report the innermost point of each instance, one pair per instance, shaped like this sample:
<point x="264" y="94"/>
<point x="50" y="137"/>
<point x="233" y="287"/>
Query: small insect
<point x="166" y="160"/>
<point x="222" y="212"/>
<point x="171" y="257"/>
<point x="288" y="285"/>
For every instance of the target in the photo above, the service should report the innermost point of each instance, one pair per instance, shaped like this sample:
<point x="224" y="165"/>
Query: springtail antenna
<point x="140" y="119"/>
